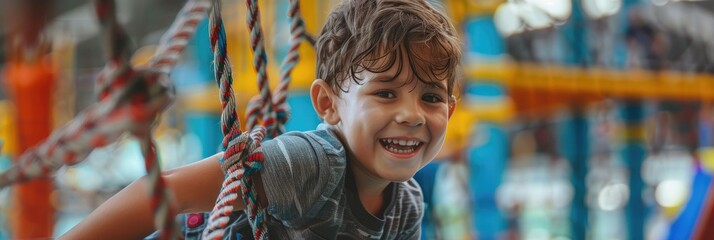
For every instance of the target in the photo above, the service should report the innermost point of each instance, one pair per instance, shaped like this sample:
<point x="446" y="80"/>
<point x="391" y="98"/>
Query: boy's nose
<point x="410" y="115"/>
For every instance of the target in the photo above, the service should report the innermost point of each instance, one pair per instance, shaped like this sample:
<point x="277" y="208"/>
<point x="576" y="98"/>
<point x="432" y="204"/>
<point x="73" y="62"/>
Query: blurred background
<point x="577" y="119"/>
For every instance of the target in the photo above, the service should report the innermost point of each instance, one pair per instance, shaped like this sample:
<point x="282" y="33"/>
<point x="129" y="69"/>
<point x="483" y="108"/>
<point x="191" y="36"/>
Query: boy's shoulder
<point x="322" y="137"/>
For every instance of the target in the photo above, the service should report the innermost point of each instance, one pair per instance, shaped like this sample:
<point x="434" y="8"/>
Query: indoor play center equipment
<point x="135" y="99"/>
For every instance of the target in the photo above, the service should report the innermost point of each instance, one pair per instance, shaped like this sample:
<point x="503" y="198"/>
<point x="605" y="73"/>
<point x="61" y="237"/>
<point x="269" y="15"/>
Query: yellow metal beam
<point x="598" y="82"/>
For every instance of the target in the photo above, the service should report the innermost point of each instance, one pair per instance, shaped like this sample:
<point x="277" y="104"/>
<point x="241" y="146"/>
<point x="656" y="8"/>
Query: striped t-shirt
<point x="312" y="195"/>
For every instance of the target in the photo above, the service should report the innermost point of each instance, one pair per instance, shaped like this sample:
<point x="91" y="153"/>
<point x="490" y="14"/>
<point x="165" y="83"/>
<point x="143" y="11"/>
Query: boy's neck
<point x="370" y="190"/>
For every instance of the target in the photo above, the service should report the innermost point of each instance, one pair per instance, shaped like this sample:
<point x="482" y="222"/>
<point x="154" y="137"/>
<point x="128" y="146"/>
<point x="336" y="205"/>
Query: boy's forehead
<point x="422" y="59"/>
<point x="403" y="78"/>
<point x="420" y="55"/>
<point x="423" y="48"/>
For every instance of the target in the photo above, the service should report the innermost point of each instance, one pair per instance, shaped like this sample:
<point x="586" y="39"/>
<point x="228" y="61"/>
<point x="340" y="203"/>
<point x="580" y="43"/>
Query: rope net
<point x="243" y="155"/>
<point x="130" y="101"/>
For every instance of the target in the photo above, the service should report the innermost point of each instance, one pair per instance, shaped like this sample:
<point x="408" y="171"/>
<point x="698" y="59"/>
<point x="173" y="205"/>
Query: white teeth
<point x="410" y="145"/>
<point x="406" y="143"/>
<point x="394" y="150"/>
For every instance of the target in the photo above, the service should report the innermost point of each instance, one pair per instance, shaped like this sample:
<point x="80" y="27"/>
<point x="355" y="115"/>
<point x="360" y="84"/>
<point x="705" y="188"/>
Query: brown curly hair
<point x="374" y="35"/>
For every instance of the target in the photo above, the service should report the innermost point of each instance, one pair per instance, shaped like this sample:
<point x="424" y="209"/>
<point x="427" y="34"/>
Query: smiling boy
<point x="386" y="72"/>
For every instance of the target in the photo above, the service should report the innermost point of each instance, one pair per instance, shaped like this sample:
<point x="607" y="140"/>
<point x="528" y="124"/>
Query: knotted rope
<point x="243" y="155"/>
<point x="129" y="102"/>
<point x="282" y="109"/>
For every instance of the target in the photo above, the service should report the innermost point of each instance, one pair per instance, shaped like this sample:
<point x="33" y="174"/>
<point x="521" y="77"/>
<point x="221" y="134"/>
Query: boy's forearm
<point x="126" y="215"/>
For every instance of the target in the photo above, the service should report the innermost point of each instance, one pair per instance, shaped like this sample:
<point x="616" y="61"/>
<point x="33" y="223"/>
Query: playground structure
<point x="535" y="92"/>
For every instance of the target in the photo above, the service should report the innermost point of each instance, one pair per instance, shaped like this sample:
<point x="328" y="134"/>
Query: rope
<point x="179" y="34"/>
<point x="297" y="35"/>
<point x="129" y="101"/>
<point x="242" y="156"/>
<point x="260" y="63"/>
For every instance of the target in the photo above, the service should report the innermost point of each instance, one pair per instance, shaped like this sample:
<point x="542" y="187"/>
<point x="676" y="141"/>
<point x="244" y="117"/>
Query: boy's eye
<point x="385" y="94"/>
<point x="432" y="98"/>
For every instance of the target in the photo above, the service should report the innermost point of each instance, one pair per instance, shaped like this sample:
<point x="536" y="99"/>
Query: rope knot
<point x="244" y="151"/>
<point x="236" y="151"/>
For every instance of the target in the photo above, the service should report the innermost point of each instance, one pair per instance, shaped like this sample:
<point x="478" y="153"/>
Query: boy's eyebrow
<point x="382" y="79"/>
<point x="439" y="86"/>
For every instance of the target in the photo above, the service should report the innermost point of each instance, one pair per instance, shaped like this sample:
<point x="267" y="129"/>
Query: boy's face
<point x="392" y="129"/>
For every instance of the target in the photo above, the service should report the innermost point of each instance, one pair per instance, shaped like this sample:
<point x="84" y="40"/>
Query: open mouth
<point x="400" y="146"/>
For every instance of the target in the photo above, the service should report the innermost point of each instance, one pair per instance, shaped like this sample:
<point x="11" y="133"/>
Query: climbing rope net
<point x="131" y="99"/>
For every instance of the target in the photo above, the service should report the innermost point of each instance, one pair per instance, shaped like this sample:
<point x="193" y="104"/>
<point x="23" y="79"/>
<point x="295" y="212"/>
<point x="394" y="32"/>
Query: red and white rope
<point x="260" y="63"/>
<point x="179" y="34"/>
<point x="256" y="106"/>
<point x="129" y="102"/>
<point x="243" y="155"/>
<point x="297" y="35"/>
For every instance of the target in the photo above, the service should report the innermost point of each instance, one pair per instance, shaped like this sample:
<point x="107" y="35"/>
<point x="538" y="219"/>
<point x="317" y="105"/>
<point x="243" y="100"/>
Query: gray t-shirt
<point x="312" y="194"/>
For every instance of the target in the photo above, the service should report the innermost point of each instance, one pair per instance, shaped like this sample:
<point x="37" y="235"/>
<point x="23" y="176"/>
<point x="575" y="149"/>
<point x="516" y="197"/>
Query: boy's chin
<point x="399" y="176"/>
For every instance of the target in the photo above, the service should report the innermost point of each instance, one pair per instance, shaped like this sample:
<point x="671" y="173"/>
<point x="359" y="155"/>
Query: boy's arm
<point x="128" y="215"/>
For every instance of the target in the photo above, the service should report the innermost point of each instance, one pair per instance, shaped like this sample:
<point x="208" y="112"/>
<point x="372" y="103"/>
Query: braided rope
<point x="129" y="101"/>
<point x="230" y="123"/>
<point x="282" y="109"/>
<point x="179" y="34"/>
<point x="297" y="35"/>
<point x="260" y="63"/>
<point x="242" y="156"/>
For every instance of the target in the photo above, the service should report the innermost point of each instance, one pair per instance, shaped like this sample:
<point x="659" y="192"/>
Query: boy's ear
<point x="452" y="105"/>
<point x="323" y="100"/>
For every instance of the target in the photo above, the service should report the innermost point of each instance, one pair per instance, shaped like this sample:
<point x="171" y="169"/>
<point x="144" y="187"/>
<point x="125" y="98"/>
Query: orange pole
<point x="30" y="84"/>
<point x="30" y="80"/>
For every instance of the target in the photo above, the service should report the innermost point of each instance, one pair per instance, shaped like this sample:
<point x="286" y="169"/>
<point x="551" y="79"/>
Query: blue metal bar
<point x="633" y="152"/>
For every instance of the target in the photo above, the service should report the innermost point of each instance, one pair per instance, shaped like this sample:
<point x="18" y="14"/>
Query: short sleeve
<point x="300" y="175"/>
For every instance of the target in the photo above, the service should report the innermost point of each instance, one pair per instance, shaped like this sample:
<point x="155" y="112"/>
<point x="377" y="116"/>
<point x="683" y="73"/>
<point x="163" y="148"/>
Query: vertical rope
<point x="242" y="155"/>
<point x="297" y="35"/>
<point x="230" y="123"/>
<point x="164" y="214"/>
<point x="255" y="110"/>
<point x="260" y="62"/>
<point x="256" y="214"/>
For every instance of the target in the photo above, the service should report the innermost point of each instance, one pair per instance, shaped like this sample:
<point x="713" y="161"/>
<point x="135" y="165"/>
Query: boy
<point x="386" y="70"/>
